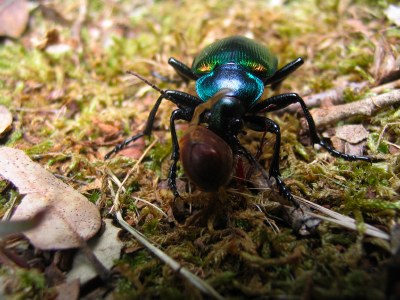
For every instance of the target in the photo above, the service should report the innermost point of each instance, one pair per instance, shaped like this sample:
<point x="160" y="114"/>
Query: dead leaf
<point x="386" y="67"/>
<point x="134" y="151"/>
<point x="5" y="120"/>
<point x="352" y="133"/>
<point x="69" y="217"/>
<point x="107" y="249"/>
<point x="14" y="17"/>
<point x="95" y="185"/>
<point x="393" y="149"/>
<point x="68" y="290"/>
<point x="52" y="38"/>
<point x="354" y="149"/>
<point x="350" y="139"/>
<point x="393" y="14"/>
<point x="12" y="227"/>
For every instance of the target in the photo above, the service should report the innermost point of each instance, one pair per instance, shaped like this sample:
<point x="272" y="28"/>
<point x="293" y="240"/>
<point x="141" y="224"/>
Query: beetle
<point x="230" y="77"/>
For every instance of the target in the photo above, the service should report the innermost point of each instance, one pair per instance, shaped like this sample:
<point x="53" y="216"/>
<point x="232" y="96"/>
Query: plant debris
<point x="69" y="217"/>
<point x="63" y="77"/>
<point x="14" y="17"/>
<point x="5" y="120"/>
<point x="106" y="248"/>
<point x="366" y="107"/>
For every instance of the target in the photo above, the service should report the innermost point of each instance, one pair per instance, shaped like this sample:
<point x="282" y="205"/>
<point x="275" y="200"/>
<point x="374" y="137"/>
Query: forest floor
<point x="63" y="81"/>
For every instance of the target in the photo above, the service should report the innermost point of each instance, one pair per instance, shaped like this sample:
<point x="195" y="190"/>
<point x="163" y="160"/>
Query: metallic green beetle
<point x="231" y="75"/>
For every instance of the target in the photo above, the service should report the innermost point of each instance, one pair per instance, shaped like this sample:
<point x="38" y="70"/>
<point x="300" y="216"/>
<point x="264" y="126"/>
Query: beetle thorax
<point x="243" y="84"/>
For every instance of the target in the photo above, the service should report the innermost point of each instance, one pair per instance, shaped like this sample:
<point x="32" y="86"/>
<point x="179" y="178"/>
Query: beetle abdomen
<point x="206" y="158"/>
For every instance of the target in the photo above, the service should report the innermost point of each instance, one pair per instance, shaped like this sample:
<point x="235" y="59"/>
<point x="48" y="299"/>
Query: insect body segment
<point x="206" y="158"/>
<point x="244" y="85"/>
<point x="239" y="50"/>
<point x="230" y="76"/>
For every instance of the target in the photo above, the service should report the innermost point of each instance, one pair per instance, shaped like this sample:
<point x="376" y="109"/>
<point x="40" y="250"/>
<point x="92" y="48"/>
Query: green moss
<point x="70" y="109"/>
<point x="41" y="148"/>
<point x="125" y="290"/>
<point x="94" y="196"/>
<point x="139" y="259"/>
<point x="150" y="227"/>
<point x="25" y="284"/>
<point x="14" y="137"/>
<point x="157" y="155"/>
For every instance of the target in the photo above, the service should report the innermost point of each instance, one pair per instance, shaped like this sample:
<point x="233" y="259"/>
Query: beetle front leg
<point x="147" y="131"/>
<point x="177" y="114"/>
<point x="181" y="99"/>
<point x="281" y="101"/>
<point x="283" y="72"/>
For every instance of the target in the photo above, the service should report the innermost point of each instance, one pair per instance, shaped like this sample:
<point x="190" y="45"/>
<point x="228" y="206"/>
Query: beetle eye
<point x="205" y="68"/>
<point x="257" y="68"/>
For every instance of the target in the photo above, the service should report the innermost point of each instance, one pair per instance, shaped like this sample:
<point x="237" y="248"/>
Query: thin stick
<point x="195" y="280"/>
<point x="151" y="204"/>
<point x="340" y="219"/>
<point x="365" y="107"/>
<point x="121" y="185"/>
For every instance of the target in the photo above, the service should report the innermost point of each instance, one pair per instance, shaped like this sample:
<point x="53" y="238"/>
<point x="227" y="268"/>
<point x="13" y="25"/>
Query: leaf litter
<point x="240" y="241"/>
<point x="70" y="217"/>
<point x="5" y="120"/>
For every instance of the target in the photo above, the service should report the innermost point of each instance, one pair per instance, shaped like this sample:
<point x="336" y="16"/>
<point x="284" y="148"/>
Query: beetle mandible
<point x="231" y="75"/>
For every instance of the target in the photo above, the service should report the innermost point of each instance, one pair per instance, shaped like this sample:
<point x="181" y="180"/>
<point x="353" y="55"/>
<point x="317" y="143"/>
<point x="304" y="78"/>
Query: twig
<point x="80" y="20"/>
<point x="336" y="96"/>
<point x="365" y="107"/>
<point x="342" y="220"/>
<point x="332" y="96"/>
<point x="196" y="281"/>
<point x="383" y="132"/>
<point x="387" y="86"/>
<point x="121" y="185"/>
<point x="151" y="204"/>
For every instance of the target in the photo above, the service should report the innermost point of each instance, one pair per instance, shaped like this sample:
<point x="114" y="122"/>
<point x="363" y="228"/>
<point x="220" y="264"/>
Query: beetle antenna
<point x="146" y="81"/>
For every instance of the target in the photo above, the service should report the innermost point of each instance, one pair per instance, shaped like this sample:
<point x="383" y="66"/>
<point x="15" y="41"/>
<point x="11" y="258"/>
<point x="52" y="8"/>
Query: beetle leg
<point x="181" y="99"/>
<point x="262" y="124"/>
<point x="183" y="70"/>
<point x="178" y="114"/>
<point x="283" y="72"/>
<point x="283" y="100"/>
<point x="283" y="189"/>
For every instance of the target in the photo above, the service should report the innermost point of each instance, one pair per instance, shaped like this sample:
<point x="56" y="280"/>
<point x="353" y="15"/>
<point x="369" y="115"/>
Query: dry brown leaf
<point x="133" y="151"/>
<point x="14" y="17"/>
<point x="350" y="139"/>
<point x="107" y="249"/>
<point x="52" y="38"/>
<point x="68" y="290"/>
<point x="69" y="217"/>
<point x="5" y="120"/>
<point x="386" y="67"/>
<point x="12" y="227"/>
<point x="352" y="133"/>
